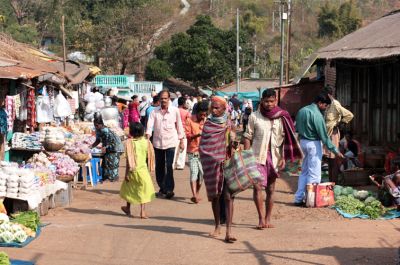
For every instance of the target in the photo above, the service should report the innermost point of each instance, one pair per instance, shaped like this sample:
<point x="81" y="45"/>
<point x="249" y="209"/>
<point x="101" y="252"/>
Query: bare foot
<point x="126" y="210"/>
<point x="143" y="216"/>
<point x="216" y="232"/>
<point x="260" y="225"/>
<point x="230" y="239"/>
<point x="269" y="226"/>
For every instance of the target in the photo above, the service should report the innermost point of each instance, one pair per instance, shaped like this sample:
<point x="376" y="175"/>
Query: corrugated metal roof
<point x="379" y="39"/>
<point x="249" y="85"/>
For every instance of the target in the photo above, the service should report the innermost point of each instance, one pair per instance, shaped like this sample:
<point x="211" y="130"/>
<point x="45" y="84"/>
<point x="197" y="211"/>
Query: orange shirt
<point x="192" y="128"/>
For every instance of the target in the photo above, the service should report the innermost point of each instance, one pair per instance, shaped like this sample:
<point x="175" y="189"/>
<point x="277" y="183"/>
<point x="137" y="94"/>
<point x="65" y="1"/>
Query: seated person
<point x="350" y="153"/>
<point x="392" y="185"/>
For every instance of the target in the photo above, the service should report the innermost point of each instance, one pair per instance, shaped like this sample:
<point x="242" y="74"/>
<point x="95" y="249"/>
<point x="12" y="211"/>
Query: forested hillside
<point x="122" y="34"/>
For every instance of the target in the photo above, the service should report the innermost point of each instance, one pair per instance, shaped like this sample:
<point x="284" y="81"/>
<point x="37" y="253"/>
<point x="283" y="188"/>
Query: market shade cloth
<point x="254" y="96"/>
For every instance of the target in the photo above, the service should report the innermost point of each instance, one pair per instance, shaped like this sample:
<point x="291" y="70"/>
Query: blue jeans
<point x="164" y="172"/>
<point x="311" y="167"/>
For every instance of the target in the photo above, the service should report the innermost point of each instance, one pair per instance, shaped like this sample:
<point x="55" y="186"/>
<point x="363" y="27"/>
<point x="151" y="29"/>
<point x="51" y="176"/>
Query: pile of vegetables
<point x="12" y="232"/>
<point x="29" y="219"/>
<point x="4" y="259"/>
<point x="356" y="202"/>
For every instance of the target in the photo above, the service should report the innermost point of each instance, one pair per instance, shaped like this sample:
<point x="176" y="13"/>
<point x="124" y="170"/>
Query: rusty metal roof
<point x="379" y="39"/>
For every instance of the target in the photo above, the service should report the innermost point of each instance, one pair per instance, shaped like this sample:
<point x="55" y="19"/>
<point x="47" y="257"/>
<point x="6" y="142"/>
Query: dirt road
<point x="94" y="231"/>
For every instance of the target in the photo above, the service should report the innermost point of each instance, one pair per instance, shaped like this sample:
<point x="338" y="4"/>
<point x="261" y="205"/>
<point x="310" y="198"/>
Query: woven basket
<point x="79" y="157"/>
<point x="65" y="178"/>
<point x="52" y="147"/>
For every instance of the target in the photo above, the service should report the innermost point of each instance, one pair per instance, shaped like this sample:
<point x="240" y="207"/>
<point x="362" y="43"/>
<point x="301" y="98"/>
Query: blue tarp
<point x="23" y="244"/>
<point x="254" y="96"/>
<point x="21" y="262"/>
<point x="392" y="214"/>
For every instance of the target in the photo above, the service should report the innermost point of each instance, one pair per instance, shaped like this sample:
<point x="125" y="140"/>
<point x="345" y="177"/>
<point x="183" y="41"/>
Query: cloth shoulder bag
<point x="241" y="171"/>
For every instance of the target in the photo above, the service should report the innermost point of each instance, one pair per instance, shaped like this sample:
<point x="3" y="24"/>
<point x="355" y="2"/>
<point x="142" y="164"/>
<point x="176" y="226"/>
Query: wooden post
<point x="63" y="40"/>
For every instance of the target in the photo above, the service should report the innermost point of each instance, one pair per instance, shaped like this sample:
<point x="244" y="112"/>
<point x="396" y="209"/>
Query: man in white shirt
<point x="175" y="102"/>
<point x="267" y="133"/>
<point x="142" y="109"/>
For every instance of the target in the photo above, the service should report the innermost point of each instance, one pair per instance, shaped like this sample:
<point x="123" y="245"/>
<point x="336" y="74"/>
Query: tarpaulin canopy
<point x="253" y="96"/>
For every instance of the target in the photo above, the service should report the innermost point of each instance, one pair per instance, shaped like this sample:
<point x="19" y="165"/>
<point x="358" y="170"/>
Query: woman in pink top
<point x="134" y="115"/>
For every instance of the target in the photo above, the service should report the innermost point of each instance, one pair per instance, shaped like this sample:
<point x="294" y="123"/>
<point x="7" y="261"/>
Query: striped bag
<point x="241" y="171"/>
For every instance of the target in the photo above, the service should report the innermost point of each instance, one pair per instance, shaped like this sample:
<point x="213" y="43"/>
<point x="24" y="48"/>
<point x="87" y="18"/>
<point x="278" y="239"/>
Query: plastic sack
<point x="43" y="110"/>
<point x="61" y="106"/>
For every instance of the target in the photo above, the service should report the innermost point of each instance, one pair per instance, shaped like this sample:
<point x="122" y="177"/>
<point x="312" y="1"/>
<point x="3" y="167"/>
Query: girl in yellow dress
<point x="137" y="188"/>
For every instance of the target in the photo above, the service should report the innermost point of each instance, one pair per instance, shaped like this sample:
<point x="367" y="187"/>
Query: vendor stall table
<point x="19" y="154"/>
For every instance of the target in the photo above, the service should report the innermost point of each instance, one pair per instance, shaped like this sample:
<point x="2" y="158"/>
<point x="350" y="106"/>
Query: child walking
<point x="193" y="128"/>
<point x="137" y="188"/>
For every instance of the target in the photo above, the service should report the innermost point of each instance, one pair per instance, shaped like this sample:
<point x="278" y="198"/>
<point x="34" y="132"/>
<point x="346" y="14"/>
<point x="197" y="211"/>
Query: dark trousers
<point x="164" y="171"/>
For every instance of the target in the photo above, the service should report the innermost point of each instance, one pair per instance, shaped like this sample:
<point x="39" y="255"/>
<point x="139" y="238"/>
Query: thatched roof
<point x="18" y="60"/>
<point x="380" y="39"/>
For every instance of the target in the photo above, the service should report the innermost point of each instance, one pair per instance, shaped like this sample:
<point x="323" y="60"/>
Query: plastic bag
<point x="61" y="106"/>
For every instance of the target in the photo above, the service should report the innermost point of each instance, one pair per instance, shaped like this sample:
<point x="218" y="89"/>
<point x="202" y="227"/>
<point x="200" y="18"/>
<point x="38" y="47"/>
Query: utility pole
<point x="255" y="58"/>
<point x="237" y="53"/>
<point x="282" y="9"/>
<point x="289" y="12"/>
<point x="63" y="41"/>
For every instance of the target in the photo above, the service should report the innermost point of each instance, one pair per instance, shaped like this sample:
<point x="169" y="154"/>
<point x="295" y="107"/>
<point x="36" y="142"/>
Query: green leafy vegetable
<point x="28" y="219"/>
<point x="4" y="259"/>
<point x="349" y="204"/>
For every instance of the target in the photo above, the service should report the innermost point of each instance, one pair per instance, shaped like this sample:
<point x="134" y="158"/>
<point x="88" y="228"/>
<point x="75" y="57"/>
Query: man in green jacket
<point x="310" y="124"/>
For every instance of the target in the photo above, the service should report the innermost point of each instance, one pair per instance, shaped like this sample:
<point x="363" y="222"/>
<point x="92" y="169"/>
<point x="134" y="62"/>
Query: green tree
<point x="157" y="70"/>
<point x="328" y="21"/>
<point x="349" y="17"/>
<point x="337" y="22"/>
<point x="204" y="54"/>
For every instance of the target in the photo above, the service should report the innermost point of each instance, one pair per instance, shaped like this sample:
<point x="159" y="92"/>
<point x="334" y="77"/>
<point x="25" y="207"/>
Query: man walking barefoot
<point x="215" y="143"/>
<point x="270" y="133"/>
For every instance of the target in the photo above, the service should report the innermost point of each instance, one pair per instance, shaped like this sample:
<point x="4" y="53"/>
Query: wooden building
<point x="364" y="67"/>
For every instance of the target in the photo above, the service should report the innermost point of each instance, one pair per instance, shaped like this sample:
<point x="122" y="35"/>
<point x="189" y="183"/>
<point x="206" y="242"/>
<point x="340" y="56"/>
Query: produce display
<point x="356" y="202"/>
<point x="4" y="259"/>
<point x="29" y="219"/>
<point x="43" y="169"/>
<point x="19" y="228"/>
<point x="81" y="144"/>
<point x="13" y="232"/>
<point x="65" y="165"/>
<point x="26" y="141"/>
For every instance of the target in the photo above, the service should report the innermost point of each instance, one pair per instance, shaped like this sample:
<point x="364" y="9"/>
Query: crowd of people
<point x="207" y="131"/>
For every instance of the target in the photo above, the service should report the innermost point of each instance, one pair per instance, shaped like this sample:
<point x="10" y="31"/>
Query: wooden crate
<point x="356" y="177"/>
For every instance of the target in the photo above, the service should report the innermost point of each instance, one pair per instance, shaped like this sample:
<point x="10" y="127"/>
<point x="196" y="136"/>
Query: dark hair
<point x="98" y="118"/>
<point x="134" y="97"/>
<point x="181" y="101"/>
<point x="323" y="98"/>
<point x="269" y="93"/>
<point x="164" y="91"/>
<point x="202" y="107"/>
<point x="352" y="146"/>
<point x="136" y="129"/>
<point x="156" y="99"/>
<point x="327" y="89"/>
